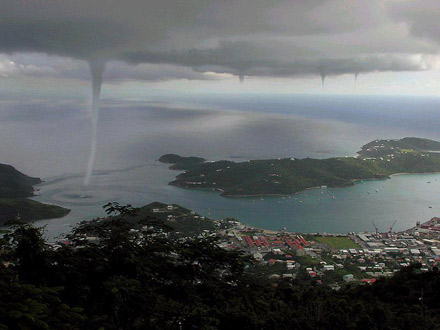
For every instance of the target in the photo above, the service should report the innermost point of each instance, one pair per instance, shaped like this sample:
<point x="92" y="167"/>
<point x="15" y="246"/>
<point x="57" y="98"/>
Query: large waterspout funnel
<point x="97" y="67"/>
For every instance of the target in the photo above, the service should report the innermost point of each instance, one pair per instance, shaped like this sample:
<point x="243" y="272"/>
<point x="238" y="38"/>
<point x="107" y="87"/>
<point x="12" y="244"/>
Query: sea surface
<point x="406" y="198"/>
<point x="49" y="137"/>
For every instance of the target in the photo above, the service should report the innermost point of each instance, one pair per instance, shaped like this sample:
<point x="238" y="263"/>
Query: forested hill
<point x="181" y="163"/>
<point x="14" y="184"/>
<point x="15" y="187"/>
<point x="141" y="279"/>
<point x="378" y="148"/>
<point x="183" y="222"/>
<point x="377" y="160"/>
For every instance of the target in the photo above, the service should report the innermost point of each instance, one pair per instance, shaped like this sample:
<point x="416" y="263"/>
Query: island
<point x="15" y="188"/>
<point x="181" y="163"/>
<point x="378" y="159"/>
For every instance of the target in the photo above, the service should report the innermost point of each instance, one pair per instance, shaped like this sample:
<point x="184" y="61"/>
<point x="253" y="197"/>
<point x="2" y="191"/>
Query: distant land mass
<point x="285" y="176"/>
<point x="15" y="188"/>
<point x="14" y="184"/>
<point x="181" y="163"/>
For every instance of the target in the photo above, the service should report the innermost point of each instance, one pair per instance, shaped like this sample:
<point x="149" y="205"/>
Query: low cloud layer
<point x="42" y="65"/>
<point x="172" y="39"/>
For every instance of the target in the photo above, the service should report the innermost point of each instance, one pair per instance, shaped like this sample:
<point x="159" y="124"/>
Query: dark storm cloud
<point x="79" y="39"/>
<point x="422" y="17"/>
<point x="245" y="58"/>
<point x="42" y="65"/>
<point x="245" y="37"/>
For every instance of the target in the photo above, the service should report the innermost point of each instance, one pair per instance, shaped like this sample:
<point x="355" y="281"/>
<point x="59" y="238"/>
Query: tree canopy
<point x="112" y="276"/>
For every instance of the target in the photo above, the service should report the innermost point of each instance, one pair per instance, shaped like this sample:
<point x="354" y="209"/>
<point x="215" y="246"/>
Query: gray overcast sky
<point x="204" y="45"/>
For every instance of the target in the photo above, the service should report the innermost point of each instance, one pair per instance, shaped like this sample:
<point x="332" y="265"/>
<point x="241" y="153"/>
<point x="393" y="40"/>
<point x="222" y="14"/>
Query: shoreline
<point x="354" y="181"/>
<point x="270" y="195"/>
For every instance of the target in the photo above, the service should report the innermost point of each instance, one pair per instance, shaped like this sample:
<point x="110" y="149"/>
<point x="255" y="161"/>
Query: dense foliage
<point x="14" y="184"/>
<point x="28" y="209"/>
<point x="407" y="143"/>
<point x="14" y="188"/>
<point x="129" y="279"/>
<point x="378" y="160"/>
<point x="184" y="222"/>
<point x="179" y="162"/>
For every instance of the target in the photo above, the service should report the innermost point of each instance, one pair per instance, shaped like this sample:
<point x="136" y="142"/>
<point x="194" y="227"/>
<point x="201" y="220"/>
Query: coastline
<point x="406" y="173"/>
<point x="230" y="203"/>
<point x="354" y="181"/>
<point x="223" y="194"/>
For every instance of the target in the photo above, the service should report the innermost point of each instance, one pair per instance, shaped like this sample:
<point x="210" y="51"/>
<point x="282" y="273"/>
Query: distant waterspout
<point x="355" y="81"/>
<point x="97" y="67"/>
<point x="323" y="80"/>
<point x="241" y="78"/>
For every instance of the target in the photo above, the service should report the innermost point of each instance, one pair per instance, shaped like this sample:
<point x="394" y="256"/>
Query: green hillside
<point x="28" y="210"/>
<point x="14" y="184"/>
<point x="179" y="162"/>
<point x="178" y="218"/>
<point x="14" y="188"/>
<point x="378" y="148"/>
<point x="123" y="278"/>
<point x="377" y="160"/>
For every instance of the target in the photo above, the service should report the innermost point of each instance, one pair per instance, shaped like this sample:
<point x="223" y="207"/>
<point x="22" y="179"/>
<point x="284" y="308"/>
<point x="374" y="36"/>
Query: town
<point x="325" y="259"/>
<point x="336" y="259"/>
<point x="321" y="258"/>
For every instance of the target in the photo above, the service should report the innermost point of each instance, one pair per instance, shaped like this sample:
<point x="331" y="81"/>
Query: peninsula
<point x="284" y="176"/>
<point x="15" y="188"/>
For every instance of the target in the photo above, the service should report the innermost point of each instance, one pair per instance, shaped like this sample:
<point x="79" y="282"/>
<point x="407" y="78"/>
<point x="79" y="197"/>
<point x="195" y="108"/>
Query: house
<point x="368" y="280"/>
<point x="271" y="262"/>
<point x="328" y="267"/>
<point x="274" y="277"/>
<point x="348" y="277"/>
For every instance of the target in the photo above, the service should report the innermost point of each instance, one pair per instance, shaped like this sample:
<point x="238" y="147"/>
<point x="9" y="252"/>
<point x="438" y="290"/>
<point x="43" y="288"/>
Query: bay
<point x="405" y="198"/>
<point x="49" y="138"/>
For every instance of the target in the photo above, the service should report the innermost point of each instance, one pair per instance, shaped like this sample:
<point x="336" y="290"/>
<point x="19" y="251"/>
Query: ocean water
<point x="49" y="138"/>
<point x="405" y="198"/>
